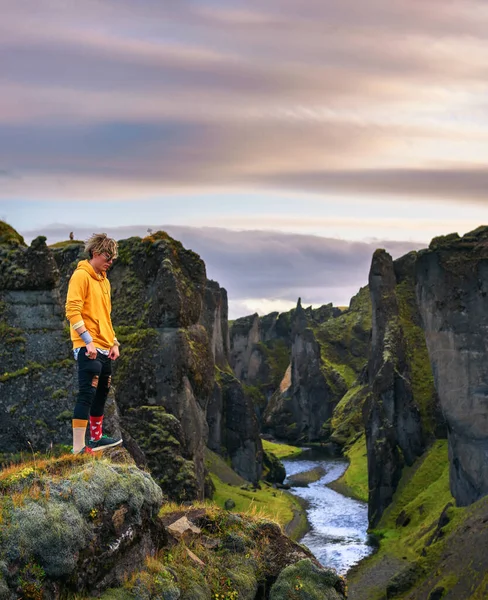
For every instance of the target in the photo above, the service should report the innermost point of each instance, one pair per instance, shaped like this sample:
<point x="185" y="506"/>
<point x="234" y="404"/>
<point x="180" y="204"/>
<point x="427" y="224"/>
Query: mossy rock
<point x="149" y="586"/>
<point x="306" y="581"/>
<point x="156" y="282"/>
<point x="160" y="437"/>
<point x="443" y="241"/>
<point x="8" y="235"/>
<point x="273" y="469"/>
<point x="403" y="581"/>
<point x="72" y="515"/>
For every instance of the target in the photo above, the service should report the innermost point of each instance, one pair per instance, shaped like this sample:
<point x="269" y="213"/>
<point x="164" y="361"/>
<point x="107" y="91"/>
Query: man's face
<point x="102" y="262"/>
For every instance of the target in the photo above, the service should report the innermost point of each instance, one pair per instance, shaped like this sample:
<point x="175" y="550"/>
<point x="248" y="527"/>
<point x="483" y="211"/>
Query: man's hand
<point x="114" y="353"/>
<point x="91" y="351"/>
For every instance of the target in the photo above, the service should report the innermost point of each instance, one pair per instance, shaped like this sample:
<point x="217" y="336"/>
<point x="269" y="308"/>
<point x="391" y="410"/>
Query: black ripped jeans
<point x="94" y="377"/>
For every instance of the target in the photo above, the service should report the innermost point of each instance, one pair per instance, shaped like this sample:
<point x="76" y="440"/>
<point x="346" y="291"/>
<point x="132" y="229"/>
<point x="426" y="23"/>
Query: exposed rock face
<point x="452" y="289"/>
<point x="300" y="412"/>
<point x="37" y="371"/>
<point x="236" y="432"/>
<point x="260" y="354"/>
<point x="245" y="336"/>
<point x="395" y="431"/>
<point x="215" y="319"/>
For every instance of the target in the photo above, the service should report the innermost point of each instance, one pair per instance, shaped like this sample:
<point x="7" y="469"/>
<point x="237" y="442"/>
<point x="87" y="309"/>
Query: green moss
<point x="344" y="340"/>
<point x="255" y="394"/>
<point x="8" y="235"/>
<point x="422" y="379"/>
<point x="60" y="393"/>
<point x="277" y="355"/>
<point x="306" y="581"/>
<point x="10" y="335"/>
<point x="347" y="418"/>
<point x="281" y="450"/>
<point x="354" y="482"/>
<point x="28" y="369"/>
<point x="67" y="244"/>
<point x="154" y="585"/>
<point x="66" y="415"/>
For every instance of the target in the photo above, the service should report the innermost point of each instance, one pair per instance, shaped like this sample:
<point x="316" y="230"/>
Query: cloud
<point x="267" y="270"/>
<point x="315" y="96"/>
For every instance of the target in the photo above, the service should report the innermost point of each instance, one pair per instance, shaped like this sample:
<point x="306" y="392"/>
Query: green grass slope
<point x="426" y="542"/>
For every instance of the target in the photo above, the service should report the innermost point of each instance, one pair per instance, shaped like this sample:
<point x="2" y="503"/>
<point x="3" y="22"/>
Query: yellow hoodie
<point x="88" y="303"/>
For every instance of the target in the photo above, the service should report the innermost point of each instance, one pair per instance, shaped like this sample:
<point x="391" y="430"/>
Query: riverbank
<point x="354" y="482"/>
<point x="263" y="501"/>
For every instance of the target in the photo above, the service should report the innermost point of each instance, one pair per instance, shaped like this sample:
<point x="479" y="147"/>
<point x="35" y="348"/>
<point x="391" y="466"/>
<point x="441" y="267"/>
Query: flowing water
<point x="338" y="536"/>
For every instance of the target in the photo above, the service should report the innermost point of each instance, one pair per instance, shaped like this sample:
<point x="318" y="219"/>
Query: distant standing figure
<point x="71" y="236"/>
<point x="88" y="308"/>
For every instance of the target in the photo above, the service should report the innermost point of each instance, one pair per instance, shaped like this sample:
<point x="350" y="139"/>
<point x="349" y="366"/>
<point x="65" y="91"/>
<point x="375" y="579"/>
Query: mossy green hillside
<point x="422" y="494"/>
<point x="411" y="529"/>
<point x="268" y="502"/>
<point x="354" y="482"/>
<point x="67" y="245"/>
<point x="347" y="419"/>
<point x="344" y="340"/>
<point x="8" y="235"/>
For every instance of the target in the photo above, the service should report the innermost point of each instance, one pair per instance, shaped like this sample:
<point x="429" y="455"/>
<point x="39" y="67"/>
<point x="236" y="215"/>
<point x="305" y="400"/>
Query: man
<point x="88" y="308"/>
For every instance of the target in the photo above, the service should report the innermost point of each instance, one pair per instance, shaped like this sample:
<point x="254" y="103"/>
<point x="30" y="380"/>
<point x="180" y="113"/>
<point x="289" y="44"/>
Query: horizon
<point x="348" y="261"/>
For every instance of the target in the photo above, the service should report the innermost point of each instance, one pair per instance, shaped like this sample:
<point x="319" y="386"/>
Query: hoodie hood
<point x="84" y="265"/>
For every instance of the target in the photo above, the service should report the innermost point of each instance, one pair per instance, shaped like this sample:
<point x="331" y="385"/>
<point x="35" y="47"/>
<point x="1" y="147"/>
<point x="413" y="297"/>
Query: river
<point x="338" y="536"/>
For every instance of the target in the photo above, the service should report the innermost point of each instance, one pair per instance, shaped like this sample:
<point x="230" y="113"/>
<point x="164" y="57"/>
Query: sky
<point x="282" y="140"/>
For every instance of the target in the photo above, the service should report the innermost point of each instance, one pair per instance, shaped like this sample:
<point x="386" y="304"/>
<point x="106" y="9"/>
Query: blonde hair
<point x="100" y="243"/>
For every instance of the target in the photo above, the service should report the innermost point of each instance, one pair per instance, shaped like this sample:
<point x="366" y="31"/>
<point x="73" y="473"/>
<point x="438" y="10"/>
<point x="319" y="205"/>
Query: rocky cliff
<point x="403" y="415"/>
<point x="172" y="324"/>
<point x="260" y="355"/>
<point x="37" y="375"/>
<point x="329" y="350"/>
<point x="452" y="290"/>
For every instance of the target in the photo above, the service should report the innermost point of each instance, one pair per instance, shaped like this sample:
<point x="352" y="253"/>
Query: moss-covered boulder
<point x="76" y="524"/>
<point x="306" y="581"/>
<point x="273" y="469"/>
<point x="160" y="437"/>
